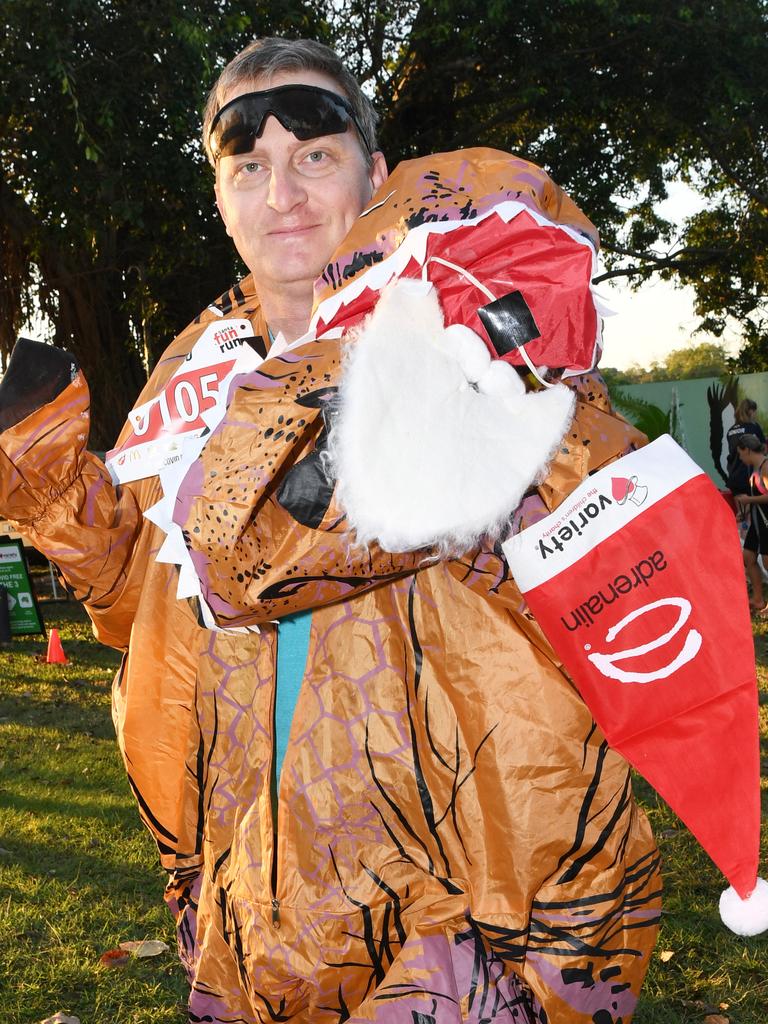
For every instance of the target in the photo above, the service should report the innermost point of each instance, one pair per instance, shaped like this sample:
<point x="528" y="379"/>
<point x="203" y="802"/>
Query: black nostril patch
<point x="509" y="323"/>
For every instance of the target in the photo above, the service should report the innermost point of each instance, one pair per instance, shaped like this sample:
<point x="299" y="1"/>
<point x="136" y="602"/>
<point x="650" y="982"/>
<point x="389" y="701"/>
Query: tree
<point x="616" y="98"/>
<point x="753" y="356"/>
<point x="705" y="360"/>
<point x="106" y="209"/>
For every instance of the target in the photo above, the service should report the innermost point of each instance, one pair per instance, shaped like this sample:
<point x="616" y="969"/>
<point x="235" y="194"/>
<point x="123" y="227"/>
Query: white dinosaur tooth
<point x="501" y="380"/>
<point x="467" y="348"/>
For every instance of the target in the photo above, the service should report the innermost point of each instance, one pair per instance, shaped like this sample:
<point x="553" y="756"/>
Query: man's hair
<point x="745" y="410"/>
<point x="266" y="57"/>
<point x="749" y="441"/>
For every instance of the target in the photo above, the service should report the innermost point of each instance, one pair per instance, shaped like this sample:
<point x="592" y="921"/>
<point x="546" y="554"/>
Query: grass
<point x="712" y="972"/>
<point x="78" y="874"/>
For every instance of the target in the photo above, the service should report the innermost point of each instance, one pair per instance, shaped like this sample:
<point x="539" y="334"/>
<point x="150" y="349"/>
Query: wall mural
<point x="697" y="413"/>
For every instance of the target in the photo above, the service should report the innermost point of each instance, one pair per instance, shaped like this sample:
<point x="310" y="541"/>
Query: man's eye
<point x="248" y="173"/>
<point x="316" y="156"/>
<point x="248" y="169"/>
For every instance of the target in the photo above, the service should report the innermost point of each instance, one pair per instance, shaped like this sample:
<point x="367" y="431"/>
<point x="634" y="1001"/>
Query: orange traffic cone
<point x="55" y="655"/>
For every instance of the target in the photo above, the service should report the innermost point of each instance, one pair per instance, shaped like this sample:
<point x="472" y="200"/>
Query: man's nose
<point x="286" y="189"/>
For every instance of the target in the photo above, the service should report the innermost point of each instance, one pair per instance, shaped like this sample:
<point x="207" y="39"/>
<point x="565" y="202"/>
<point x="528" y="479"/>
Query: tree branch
<point x="684" y="259"/>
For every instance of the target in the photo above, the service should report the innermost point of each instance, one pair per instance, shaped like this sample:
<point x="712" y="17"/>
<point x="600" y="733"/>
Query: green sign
<point x="14" y="576"/>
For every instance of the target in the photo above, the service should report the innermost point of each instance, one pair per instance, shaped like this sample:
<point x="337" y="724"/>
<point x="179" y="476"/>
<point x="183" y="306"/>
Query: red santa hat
<point x="650" y="616"/>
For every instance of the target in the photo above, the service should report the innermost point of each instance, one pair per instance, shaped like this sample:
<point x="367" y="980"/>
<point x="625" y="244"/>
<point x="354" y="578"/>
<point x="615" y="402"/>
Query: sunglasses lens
<point x="304" y="110"/>
<point x="236" y="130"/>
<point x="322" y="115"/>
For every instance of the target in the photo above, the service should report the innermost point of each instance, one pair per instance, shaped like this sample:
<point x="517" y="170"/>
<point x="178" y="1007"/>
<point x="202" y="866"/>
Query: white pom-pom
<point x="749" y="916"/>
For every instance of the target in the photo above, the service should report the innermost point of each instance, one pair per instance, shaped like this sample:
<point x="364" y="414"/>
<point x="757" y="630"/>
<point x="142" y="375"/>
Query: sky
<point x="650" y="323"/>
<point x="658" y="317"/>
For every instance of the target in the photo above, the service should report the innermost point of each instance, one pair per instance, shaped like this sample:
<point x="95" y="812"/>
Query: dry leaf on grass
<point x="147" y="947"/>
<point x="60" y="1018"/>
<point x="716" y="1018"/>
<point x="114" y="958"/>
<point x="666" y="955"/>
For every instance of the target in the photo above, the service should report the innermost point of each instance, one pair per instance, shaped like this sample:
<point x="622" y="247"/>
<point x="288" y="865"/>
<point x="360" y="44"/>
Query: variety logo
<point x="624" y="490"/>
<point x="580" y="518"/>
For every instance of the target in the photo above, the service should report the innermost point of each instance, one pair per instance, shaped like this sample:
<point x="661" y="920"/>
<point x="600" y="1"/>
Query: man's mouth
<point x="294" y="229"/>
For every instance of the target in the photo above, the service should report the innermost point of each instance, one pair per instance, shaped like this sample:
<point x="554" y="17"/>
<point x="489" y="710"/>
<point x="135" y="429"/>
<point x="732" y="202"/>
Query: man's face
<point x="287" y="204"/>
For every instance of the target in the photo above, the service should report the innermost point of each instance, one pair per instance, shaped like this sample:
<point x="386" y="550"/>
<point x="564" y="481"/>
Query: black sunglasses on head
<point x="305" y="110"/>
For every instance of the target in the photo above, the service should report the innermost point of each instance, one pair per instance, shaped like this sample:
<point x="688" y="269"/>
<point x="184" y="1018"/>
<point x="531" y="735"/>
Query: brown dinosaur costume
<point x="454" y="839"/>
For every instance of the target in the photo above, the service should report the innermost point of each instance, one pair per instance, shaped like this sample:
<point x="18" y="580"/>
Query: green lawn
<point x="78" y="874"/>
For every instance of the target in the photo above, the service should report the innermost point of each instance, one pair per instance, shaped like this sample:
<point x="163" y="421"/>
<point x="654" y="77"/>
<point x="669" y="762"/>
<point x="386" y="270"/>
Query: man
<point x="450" y="837"/>
<point x="287" y="203"/>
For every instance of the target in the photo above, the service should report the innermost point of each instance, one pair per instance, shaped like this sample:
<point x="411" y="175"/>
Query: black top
<point x="738" y="473"/>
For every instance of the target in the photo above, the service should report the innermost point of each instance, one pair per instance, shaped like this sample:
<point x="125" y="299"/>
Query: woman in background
<point x="746" y="423"/>
<point x="751" y="453"/>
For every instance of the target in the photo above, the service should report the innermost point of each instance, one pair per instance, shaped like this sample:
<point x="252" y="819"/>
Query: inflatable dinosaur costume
<point x="453" y="839"/>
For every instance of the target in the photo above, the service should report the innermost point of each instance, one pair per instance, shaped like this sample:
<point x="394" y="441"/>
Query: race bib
<point x="637" y="581"/>
<point x="189" y="404"/>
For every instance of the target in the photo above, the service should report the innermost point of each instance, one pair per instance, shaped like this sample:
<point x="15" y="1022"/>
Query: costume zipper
<point x="273" y="799"/>
<point x="273" y="773"/>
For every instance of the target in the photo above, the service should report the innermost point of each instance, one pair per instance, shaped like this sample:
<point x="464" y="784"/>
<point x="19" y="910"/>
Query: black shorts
<point x="757" y="534"/>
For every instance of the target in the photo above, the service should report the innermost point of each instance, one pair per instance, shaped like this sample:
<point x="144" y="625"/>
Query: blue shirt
<point x="292" y="648"/>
